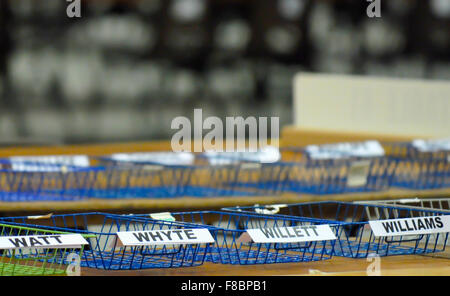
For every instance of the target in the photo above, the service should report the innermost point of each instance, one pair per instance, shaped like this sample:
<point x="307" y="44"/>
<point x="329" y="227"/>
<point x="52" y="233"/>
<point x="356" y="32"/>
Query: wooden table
<point x="408" y="265"/>
<point x="189" y="203"/>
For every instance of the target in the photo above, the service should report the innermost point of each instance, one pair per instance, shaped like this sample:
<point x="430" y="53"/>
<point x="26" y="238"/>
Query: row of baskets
<point x="285" y="228"/>
<point x="314" y="169"/>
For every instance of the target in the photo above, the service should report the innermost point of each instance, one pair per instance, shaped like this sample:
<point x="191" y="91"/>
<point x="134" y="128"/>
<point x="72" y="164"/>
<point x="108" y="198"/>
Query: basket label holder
<point x="358" y="173"/>
<point x="51" y="163"/>
<point x="411" y="226"/>
<point x="371" y="148"/>
<point x="161" y="158"/>
<point x="295" y="234"/>
<point x="269" y="209"/>
<point x="164" y="216"/>
<point x="164" y="237"/>
<point x="433" y="145"/>
<point x="52" y="241"/>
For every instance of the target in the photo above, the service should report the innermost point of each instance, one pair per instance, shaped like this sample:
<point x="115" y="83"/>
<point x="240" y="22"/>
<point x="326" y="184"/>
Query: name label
<point x="431" y="145"/>
<point x="411" y="226"/>
<point x="267" y="154"/>
<point x="345" y="150"/>
<point x="292" y="234"/>
<point x="165" y="216"/>
<point x="54" y="241"/>
<point x="162" y="158"/>
<point x="358" y="173"/>
<point x="55" y="163"/>
<point x="269" y="209"/>
<point x="164" y="237"/>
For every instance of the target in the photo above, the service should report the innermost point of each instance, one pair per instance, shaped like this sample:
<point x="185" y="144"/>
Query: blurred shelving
<point x="127" y="67"/>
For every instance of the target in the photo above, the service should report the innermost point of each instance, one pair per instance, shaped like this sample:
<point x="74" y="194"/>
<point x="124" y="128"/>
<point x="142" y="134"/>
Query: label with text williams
<point x="411" y="226"/>
<point x="165" y="237"/>
<point x="292" y="234"/>
<point x="53" y="241"/>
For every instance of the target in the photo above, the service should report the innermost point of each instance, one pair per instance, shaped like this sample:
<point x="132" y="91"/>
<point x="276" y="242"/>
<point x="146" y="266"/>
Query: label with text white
<point x="165" y="237"/>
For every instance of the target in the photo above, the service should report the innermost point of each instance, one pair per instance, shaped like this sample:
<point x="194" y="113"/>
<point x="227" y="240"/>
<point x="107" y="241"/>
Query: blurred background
<point x="126" y="68"/>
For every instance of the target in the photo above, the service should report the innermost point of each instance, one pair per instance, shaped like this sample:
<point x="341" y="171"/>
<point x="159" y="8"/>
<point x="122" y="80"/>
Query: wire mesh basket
<point x="195" y="178"/>
<point x="332" y="173"/>
<point x="27" y="251"/>
<point x="441" y="204"/>
<point x="357" y="240"/>
<point x="104" y="251"/>
<point x="41" y="181"/>
<point x="420" y="164"/>
<point x="233" y="246"/>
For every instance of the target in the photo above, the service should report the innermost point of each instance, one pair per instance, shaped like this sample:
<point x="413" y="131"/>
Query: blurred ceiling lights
<point x="283" y="39"/>
<point x="232" y="35"/>
<point x="440" y="8"/>
<point x="291" y="9"/>
<point x="185" y="11"/>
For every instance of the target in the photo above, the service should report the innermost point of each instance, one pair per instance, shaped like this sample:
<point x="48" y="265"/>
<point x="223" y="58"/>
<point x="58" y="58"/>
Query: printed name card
<point x="165" y="237"/>
<point x="55" y="163"/>
<point x="411" y="226"/>
<point x="269" y="209"/>
<point x="267" y="154"/>
<point x="165" y="216"/>
<point x="163" y="158"/>
<point x="431" y="145"/>
<point x="292" y="234"/>
<point x="54" y="241"/>
<point x="345" y="150"/>
<point x="358" y="173"/>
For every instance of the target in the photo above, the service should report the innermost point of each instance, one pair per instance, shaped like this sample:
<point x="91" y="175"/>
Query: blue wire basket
<point x="335" y="175"/>
<point x="228" y="228"/>
<point x="104" y="252"/>
<point x="199" y="179"/>
<point x="295" y="171"/>
<point x="39" y="260"/>
<point x="35" y="181"/>
<point x="417" y="169"/>
<point x="41" y="181"/>
<point x="356" y="240"/>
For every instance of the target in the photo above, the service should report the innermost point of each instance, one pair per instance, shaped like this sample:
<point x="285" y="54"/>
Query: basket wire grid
<point x="201" y="179"/>
<point x="38" y="181"/>
<point x="357" y="240"/>
<point x="440" y="204"/>
<point x="34" y="261"/>
<point x="104" y="252"/>
<point x="229" y="248"/>
<point x="335" y="175"/>
<point x="416" y="169"/>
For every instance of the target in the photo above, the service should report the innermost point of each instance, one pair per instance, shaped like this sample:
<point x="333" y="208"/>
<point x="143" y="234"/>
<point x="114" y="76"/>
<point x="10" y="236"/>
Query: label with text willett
<point x="53" y="241"/>
<point x="165" y="237"/>
<point x="292" y="234"/>
<point x="411" y="226"/>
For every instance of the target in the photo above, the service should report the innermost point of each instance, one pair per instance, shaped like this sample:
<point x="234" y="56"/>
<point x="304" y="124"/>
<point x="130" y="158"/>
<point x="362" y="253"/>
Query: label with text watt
<point x="163" y="237"/>
<point x="292" y="234"/>
<point x="411" y="226"/>
<point x="42" y="241"/>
